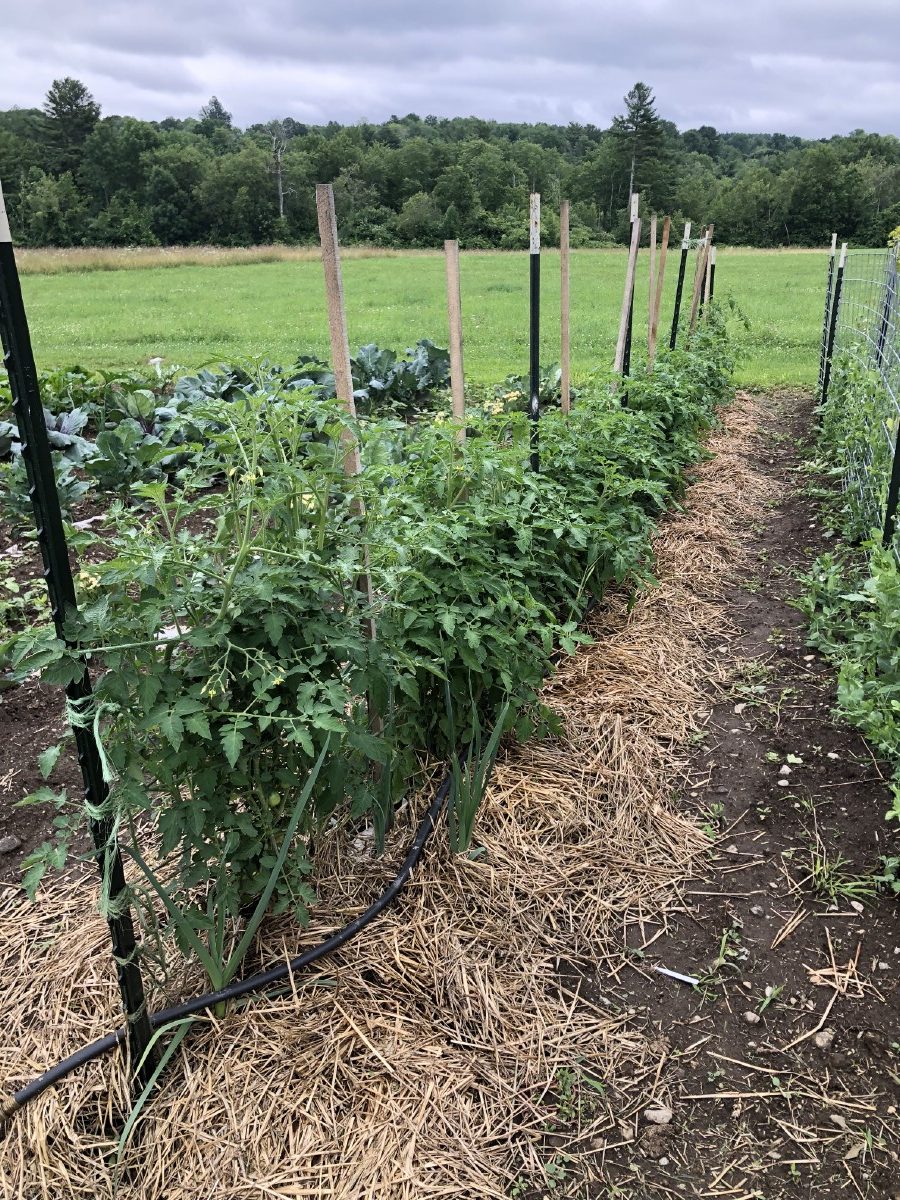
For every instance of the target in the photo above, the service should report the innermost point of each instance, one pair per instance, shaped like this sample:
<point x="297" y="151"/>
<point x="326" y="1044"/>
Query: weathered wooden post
<point x="564" y="347"/>
<point x="628" y="295"/>
<point x="343" y="377"/>
<point x="656" y="300"/>
<point x="454" y="312"/>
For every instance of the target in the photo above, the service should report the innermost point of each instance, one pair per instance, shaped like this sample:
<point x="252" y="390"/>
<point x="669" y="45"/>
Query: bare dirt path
<point x="782" y="1069"/>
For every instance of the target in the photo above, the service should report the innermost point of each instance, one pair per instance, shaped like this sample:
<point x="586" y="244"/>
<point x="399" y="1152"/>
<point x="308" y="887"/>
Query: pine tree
<point x="640" y="136"/>
<point x="71" y="113"/>
<point x="214" y="115"/>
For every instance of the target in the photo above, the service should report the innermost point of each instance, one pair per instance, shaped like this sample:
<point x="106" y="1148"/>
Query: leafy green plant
<point x="15" y="502"/>
<point x="63" y="433"/>
<point x="471" y="774"/>
<point x="21" y="603"/>
<point x="852" y="441"/>
<point x="514" y="393"/>
<point x="851" y="604"/>
<point x="229" y="636"/>
<point x="230" y="630"/>
<point x="217" y="952"/>
<point x="850" y="596"/>
<point x="578" y="1094"/>
<point x="385" y="384"/>
<point x="889" y="879"/>
<point x="125" y="457"/>
<point x="769" y="997"/>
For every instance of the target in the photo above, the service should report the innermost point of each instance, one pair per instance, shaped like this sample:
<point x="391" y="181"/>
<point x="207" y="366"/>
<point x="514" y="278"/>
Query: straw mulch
<point x="424" y="1060"/>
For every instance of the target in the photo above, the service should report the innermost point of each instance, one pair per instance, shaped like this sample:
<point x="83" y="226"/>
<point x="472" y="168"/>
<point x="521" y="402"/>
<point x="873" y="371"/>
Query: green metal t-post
<point x="18" y="359"/>
<point x="832" y="325"/>
<point x="828" y="287"/>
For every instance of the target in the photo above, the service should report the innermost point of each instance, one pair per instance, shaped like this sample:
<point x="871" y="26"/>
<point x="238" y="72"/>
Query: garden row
<point x="852" y="594"/>
<point x="221" y="606"/>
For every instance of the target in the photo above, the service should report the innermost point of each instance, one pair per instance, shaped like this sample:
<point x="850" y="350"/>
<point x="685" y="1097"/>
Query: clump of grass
<point x="832" y="880"/>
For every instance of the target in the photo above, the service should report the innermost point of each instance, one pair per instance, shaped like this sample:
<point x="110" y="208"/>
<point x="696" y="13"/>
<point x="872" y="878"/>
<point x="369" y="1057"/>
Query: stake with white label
<point x="534" y="404"/>
<point x="679" y="289"/>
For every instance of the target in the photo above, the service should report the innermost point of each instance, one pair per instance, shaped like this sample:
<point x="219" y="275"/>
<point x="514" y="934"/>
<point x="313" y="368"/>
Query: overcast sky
<point x="810" y="67"/>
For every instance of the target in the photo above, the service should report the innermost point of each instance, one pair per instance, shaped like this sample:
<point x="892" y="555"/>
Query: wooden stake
<point x="699" y="280"/>
<point x="337" y="320"/>
<point x="652" y="274"/>
<point x="343" y="378"/>
<point x="712" y="274"/>
<point x="564" y="352"/>
<point x="6" y="236"/>
<point x="657" y="299"/>
<point x="629" y="289"/>
<point x="697" y="261"/>
<point x="454" y="311"/>
<point x="709" y="263"/>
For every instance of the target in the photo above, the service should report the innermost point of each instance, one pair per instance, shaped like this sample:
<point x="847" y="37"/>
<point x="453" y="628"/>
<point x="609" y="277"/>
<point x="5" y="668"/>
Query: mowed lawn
<point x="194" y="315"/>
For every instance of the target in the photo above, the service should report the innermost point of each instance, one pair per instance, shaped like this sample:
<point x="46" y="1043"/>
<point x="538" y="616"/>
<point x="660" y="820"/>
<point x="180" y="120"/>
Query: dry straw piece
<point x="422" y="1060"/>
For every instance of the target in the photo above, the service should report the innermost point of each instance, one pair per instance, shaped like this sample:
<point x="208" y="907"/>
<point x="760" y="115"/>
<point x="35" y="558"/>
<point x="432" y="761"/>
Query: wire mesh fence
<point x="860" y="366"/>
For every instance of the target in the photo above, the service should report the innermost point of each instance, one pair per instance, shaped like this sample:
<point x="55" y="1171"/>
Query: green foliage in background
<point x="77" y="178"/>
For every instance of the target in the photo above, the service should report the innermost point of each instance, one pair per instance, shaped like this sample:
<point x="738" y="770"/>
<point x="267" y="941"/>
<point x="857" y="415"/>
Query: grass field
<point x="222" y="306"/>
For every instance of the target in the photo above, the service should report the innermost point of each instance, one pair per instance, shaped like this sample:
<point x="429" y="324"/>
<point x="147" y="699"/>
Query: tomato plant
<point x="229" y="635"/>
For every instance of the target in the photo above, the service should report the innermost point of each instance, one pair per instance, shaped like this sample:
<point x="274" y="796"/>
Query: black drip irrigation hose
<point x="243" y="987"/>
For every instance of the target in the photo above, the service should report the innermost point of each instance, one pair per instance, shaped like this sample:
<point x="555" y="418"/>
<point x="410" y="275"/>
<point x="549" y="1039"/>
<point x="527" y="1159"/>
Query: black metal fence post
<point x="828" y="287"/>
<point x="679" y="287"/>
<point x="626" y="361"/>
<point x="890" y="508"/>
<point x="534" y="406"/>
<point x="887" y="308"/>
<point x="832" y="324"/>
<point x="890" y="319"/>
<point x="18" y="359"/>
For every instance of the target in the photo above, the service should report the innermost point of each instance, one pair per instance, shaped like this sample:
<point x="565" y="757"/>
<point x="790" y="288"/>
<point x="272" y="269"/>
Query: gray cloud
<point x="812" y="67"/>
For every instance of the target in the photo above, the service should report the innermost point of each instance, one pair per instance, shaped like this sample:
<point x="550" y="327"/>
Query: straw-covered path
<point x="502" y="1031"/>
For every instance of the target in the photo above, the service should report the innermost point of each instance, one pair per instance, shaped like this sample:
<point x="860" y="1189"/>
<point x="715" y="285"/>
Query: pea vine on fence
<point x="851" y="594"/>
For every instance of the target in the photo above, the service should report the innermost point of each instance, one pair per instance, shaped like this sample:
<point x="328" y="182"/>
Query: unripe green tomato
<point x="274" y="799"/>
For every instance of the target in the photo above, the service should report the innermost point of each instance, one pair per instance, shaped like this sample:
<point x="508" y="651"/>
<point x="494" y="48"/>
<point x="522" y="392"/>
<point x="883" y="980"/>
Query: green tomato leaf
<point x="232" y="741"/>
<point x="47" y="760"/>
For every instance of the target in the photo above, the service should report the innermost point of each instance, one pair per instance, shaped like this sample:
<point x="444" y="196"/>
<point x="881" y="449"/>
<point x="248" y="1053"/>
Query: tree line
<point x="74" y="177"/>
